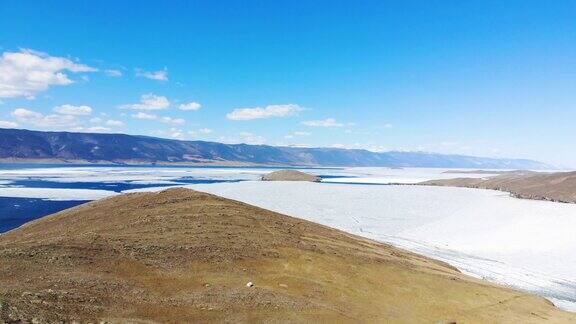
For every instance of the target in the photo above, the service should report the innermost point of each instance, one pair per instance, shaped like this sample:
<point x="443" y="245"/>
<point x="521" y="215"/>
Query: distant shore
<point x="556" y="186"/>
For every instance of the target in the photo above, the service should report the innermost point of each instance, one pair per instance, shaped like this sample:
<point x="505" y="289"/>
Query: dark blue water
<point x="17" y="211"/>
<point x="110" y="186"/>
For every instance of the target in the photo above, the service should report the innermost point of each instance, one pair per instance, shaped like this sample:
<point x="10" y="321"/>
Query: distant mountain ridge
<point x="19" y="145"/>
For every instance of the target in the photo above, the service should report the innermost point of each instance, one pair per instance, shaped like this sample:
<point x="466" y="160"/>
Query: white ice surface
<point x="405" y="176"/>
<point x="526" y="244"/>
<point x="55" y="194"/>
<point x="159" y="175"/>
<point x="127" y="174"/>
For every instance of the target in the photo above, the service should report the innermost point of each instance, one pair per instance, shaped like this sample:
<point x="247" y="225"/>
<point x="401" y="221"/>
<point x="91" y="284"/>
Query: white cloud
<point x="249" y="138"/>
<point x="165" y="120"/>
<point x="96" y="120"/>
<point x="93" y="129"/>
<point x="98" y="129"/>
<point x="114" y="123"/>
<point x="113" y="73"/>
<point x="39" y="120"/>
<point x="73" y="110"/>
<point x="190" y="106"/>
<point x="266" y="112"/>
<point x="161" y="75"/>
<point x="295" y="134"/>
<point x="174" y="121"/>
<point x="361" y="146"/>
<point x="204" y="131"/>
<point x="26" y="114"/>
<point x="328" y="122"/>
<point x="149" y="101"/>
<point x="243" y="138"/>
<point x="8" y="124"/>
<point x="172" y="133"/>
<point x="25" y="73"/>
<point x="144" y="116"/>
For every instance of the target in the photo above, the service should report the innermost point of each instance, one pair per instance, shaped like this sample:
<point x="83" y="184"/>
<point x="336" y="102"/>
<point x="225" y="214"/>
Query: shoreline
<point x="545" y="186"/>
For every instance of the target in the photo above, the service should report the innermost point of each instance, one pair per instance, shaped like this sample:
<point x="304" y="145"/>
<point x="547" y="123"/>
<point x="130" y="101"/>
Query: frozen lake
<point x="521" y="243"/>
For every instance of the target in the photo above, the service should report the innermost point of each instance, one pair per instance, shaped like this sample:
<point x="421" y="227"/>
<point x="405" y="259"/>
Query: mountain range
<point x="19" y="145"/>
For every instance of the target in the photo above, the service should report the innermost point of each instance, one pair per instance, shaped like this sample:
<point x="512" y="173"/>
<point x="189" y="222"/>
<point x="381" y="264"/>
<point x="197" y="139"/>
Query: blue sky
<point x="488" y="78"/>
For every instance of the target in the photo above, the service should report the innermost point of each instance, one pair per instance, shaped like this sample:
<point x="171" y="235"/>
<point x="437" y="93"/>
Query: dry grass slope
<point x="186" y="256"/>
<point x="560" y="186"/>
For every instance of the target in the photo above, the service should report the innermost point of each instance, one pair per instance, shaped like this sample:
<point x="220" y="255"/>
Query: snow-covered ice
<point x="161" y="175"/>
<point x="127" y="174"/>
<point x="55" y="194"/>
<point x="367" y="175"/>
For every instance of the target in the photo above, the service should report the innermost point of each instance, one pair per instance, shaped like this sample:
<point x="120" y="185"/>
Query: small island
<point x="290" y="175"/>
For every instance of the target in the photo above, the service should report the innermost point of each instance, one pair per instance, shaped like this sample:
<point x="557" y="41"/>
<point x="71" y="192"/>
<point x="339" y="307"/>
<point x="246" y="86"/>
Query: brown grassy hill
<point x="560" y="186"/>
<point x="290" y="175"/>
<point x="186" y="256"/>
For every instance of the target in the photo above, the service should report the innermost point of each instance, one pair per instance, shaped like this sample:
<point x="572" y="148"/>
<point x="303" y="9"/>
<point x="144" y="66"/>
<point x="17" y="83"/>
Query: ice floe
<point x="55" y="194"/>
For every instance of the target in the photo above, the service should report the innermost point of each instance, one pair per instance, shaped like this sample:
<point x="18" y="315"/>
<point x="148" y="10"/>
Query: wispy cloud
<point x="296" y="134"/>
<point x="28" y="72"/>
<point x="144" y="116"/>
<point x="328" y="122"/>
<point x="73" y="110"/>
<point x="39" y="120"/>
<point x="113" y="73"/>
<point x="249" y="138"/>
<point x="92" y="129"/>
<point x="165" y="120"/>
<point x="114" y="123"/>
<point x="8" y="124"/>
<point x="149" y="101"/>
<point x="173" y="121"/>
<point x="171" y="133"/>
<point x="190" y="106"/>
<point x="201" y="131"/>
<point x="161" y="75"/>
<point x="245" y="138"/>
<point x="266" y="112"/>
